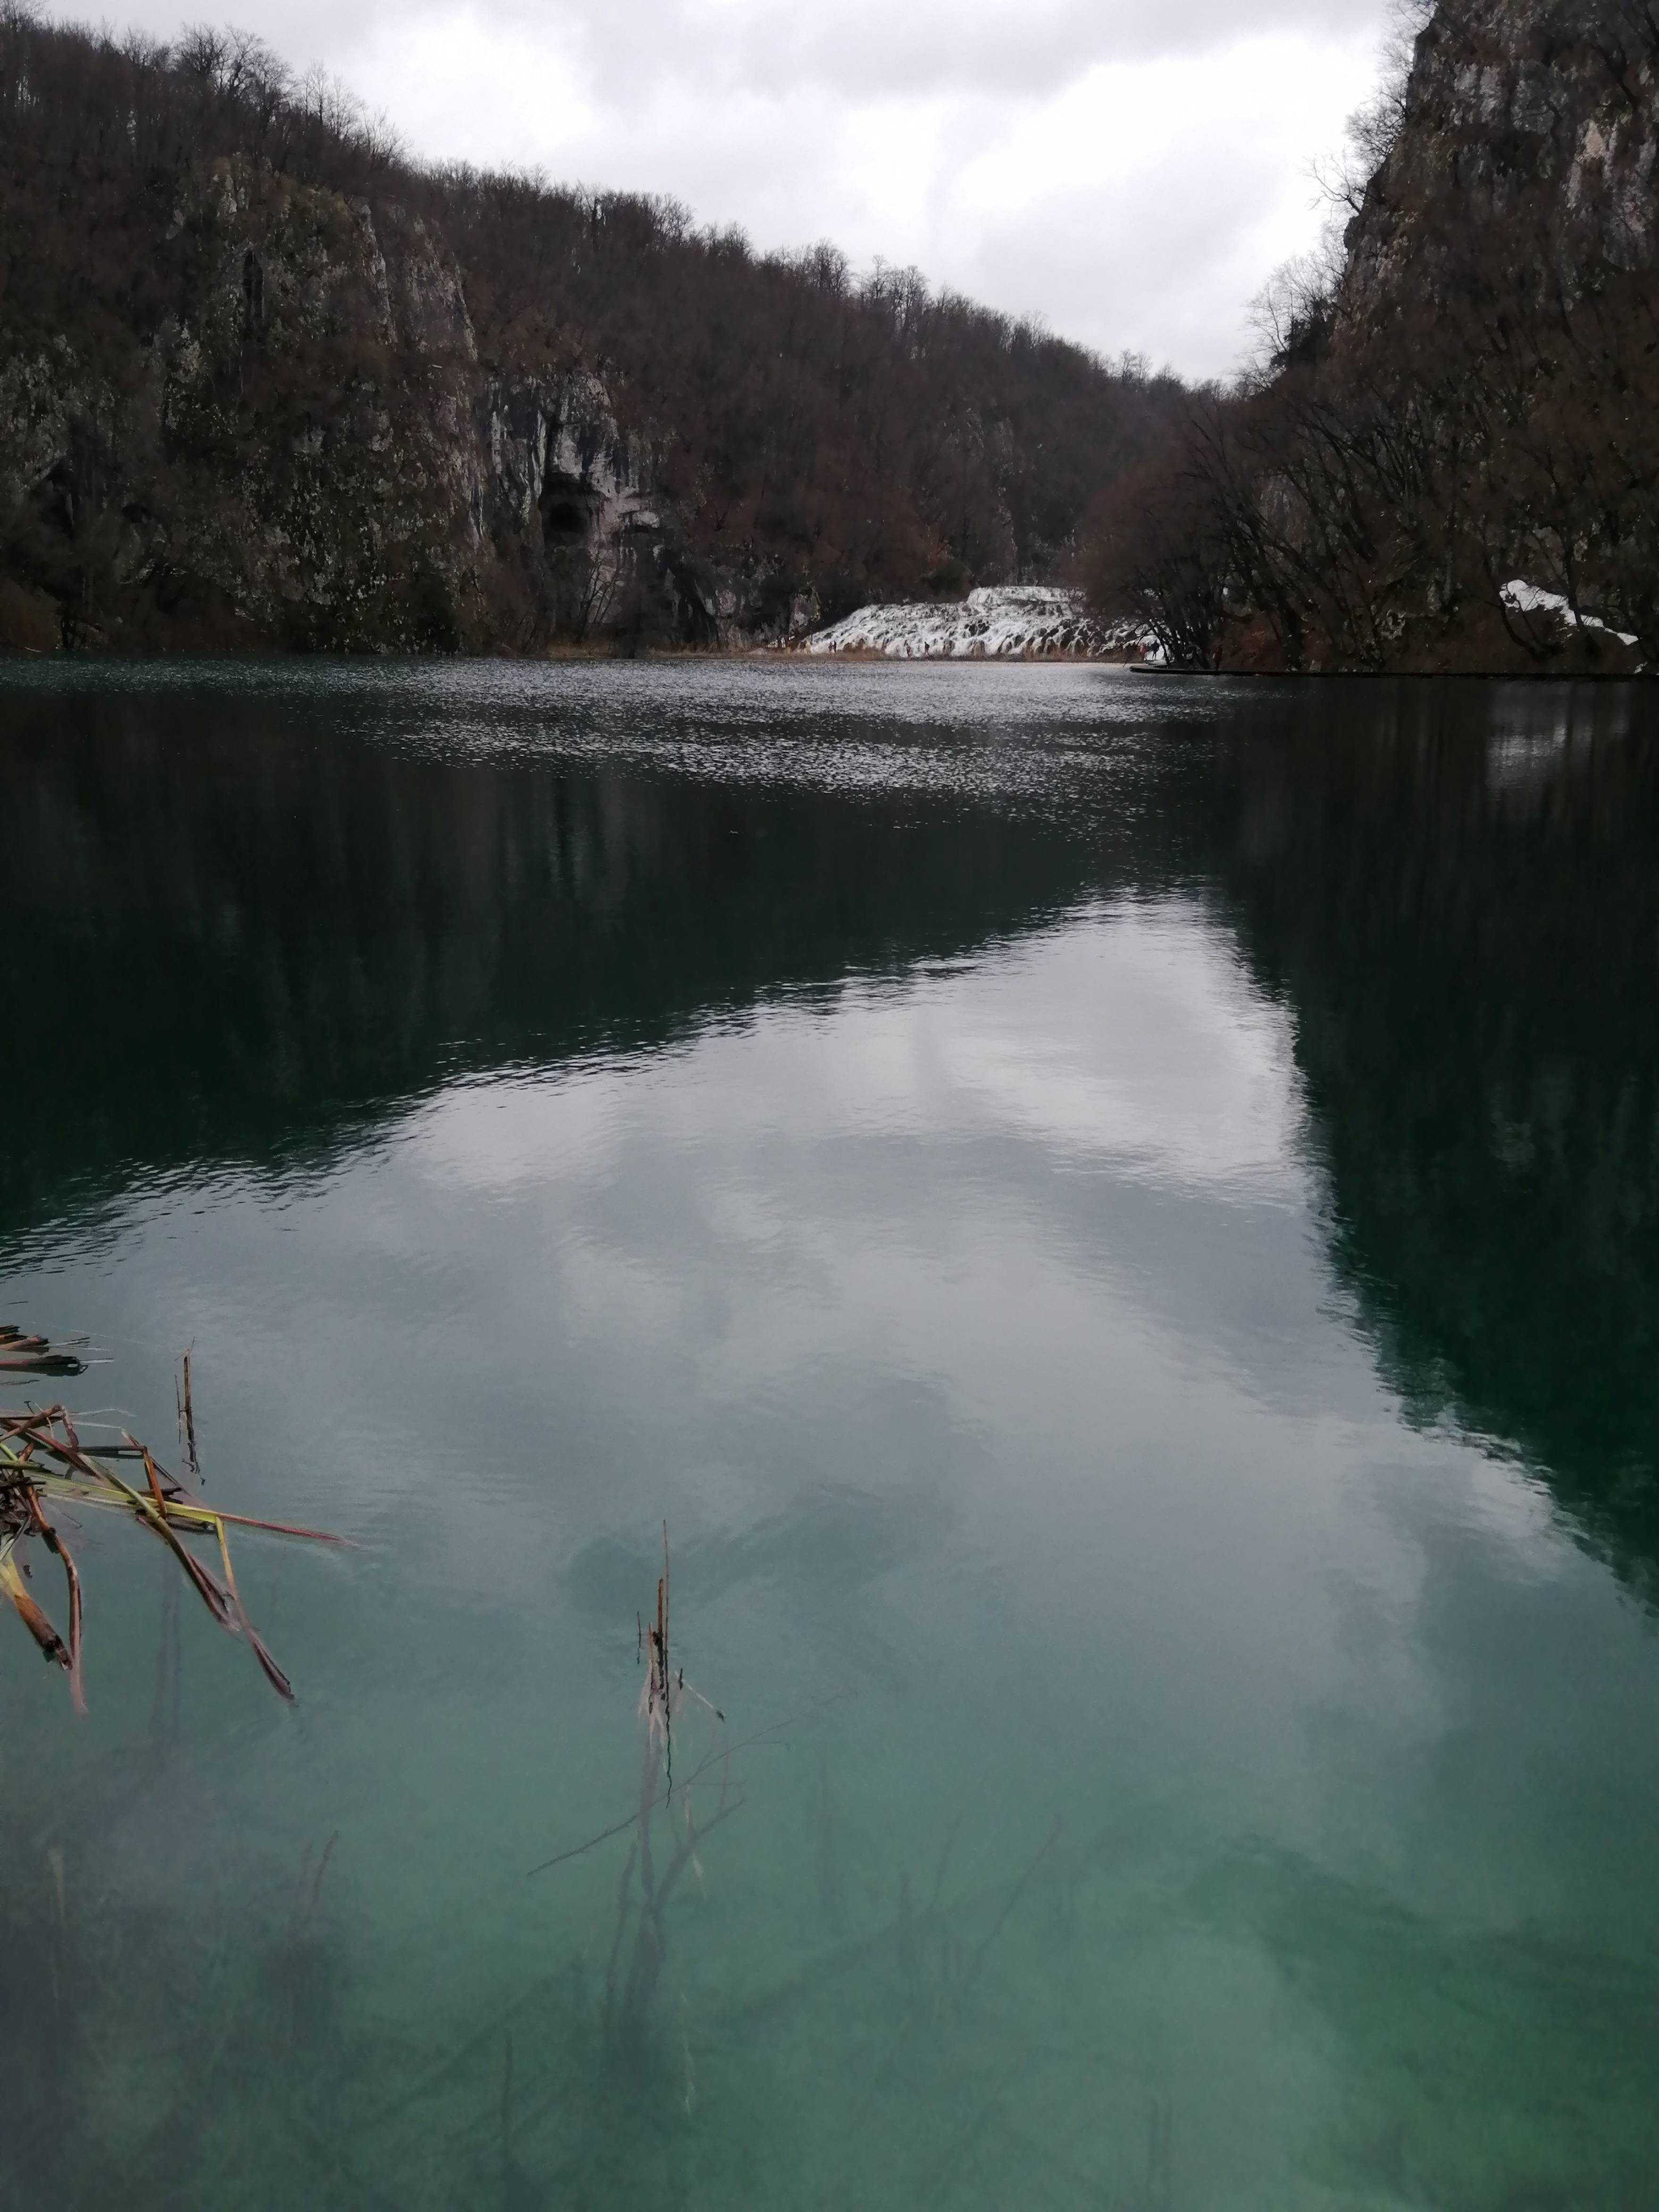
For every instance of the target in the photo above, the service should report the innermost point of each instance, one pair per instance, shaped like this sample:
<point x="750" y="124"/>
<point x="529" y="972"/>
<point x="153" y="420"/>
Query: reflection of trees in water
<point x="253" y="929"/>
<point x="1461" y="912"/>
<point x="1456" y="890"/>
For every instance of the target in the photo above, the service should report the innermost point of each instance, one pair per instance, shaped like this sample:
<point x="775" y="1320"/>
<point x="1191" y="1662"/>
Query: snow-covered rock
<point x="999" y="622"/>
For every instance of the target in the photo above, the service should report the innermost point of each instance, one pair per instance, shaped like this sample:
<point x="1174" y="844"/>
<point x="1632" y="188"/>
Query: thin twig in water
<point x="1014" y="1896"/>
<point x="942" y="1867"/>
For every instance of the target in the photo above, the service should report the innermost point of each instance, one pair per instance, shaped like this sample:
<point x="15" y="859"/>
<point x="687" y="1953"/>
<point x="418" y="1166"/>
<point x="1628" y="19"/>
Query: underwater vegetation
<point x="191" y="2051"/>
<point x="812" y="2007"/>
<point x="803" y="2008"/>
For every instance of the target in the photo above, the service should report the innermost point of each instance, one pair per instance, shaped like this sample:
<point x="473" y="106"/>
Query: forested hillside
<point x="266" y="380"/>
<point x="1466" y="397"/>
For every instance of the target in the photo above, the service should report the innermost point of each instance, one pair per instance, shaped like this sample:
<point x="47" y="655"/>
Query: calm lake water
<point x="1117" y="1223"/>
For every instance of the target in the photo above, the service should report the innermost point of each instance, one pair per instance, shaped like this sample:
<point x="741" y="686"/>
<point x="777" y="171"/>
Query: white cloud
<point x="1131" y="174"/>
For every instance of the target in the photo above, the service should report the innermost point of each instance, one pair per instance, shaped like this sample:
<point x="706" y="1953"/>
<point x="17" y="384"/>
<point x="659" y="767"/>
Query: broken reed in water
<point x="649" y="1878"/>
<point x="23" y="1354"/>
<point x="45" y="1469"/>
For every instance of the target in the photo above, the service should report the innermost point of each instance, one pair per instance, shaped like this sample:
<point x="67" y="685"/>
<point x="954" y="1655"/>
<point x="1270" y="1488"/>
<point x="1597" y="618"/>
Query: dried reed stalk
<point x="187" y="1420"/>
<point x="44" y="1468"/>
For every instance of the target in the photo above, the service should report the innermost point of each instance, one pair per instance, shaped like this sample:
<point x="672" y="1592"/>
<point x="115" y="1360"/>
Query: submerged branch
<point x="660" y="1797"/>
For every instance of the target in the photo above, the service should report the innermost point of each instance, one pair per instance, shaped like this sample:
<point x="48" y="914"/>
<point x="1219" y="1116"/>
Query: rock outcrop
<point x="266" y="381"/>
<point x="1451" y="461"/>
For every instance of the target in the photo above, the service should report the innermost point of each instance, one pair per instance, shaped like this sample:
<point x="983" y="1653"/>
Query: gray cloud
<point x="1131" y="174"/>
<point x="863" y="48"/>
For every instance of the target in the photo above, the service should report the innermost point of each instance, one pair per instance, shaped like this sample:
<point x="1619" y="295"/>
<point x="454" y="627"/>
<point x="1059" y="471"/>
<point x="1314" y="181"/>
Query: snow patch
<point x="999" y="622"/>
<point x="1521" y="598"/>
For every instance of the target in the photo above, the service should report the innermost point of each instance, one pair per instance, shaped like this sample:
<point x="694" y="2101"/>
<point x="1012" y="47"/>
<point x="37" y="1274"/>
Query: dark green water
<point x="1118" y="1223"/>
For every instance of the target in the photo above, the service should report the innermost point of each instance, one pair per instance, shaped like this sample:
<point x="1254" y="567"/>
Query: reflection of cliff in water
<point x="238" y="928"/>
<point x="1457" y="889"/>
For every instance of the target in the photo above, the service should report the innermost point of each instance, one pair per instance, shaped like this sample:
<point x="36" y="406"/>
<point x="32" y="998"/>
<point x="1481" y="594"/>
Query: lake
<point x="1110" y="1224"/>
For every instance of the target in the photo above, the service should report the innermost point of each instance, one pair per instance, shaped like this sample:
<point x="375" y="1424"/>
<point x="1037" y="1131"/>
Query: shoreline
<point x="559" y="654"/>
<point x="796" y="656"/>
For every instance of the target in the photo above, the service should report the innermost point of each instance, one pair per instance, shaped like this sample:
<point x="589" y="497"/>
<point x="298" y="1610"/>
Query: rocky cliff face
<point x="557" y="480"/>
<point x="308" y="451"/>
<point x="1529" y="133"/>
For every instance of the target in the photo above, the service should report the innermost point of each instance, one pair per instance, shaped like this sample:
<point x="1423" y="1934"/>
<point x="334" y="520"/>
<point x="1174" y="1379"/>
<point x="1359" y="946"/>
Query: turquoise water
<point x="1114" y="1221"/>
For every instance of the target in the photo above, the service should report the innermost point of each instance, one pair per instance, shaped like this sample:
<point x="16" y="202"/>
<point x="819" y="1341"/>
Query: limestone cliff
<point x="1529" y="133"/>
<point x="307" y="451"/>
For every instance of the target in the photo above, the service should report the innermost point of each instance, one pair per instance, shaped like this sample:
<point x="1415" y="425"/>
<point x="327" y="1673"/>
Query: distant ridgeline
<point x="265" y="382"/>
<point x="1449" y="458"/>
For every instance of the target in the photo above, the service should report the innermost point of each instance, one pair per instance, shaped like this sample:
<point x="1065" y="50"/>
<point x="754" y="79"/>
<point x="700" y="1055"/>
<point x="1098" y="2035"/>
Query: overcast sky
<point x="1130" y="171"/>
